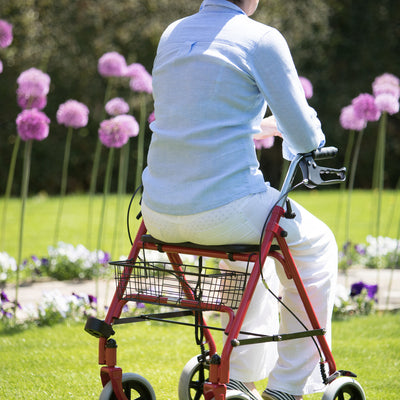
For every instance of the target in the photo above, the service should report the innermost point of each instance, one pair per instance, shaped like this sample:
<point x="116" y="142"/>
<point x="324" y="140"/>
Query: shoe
<point x="241" y="387"/>
<point x="269" y="394"/>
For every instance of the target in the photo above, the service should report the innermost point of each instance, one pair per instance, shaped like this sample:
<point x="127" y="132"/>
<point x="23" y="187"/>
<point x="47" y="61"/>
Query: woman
<point x="214" y="75"/>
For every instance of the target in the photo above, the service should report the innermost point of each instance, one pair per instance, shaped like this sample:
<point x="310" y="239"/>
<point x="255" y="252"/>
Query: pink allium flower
<point x="129" y="123"/>
<point x="307" y="87"/>
<point x="141" y="80"/>
<point x="6" y="36"/>
<point x="387" y="102"/>
<point x="115" y="132"/>
<point x="386" y="83"/>
<point x="1" y="66"/>
<point x="349" y="120"/>
<point x="151" y="118"/>
<point x="33" y="87"/>
<point x="26" y="102"/>
<point x="73" y="113"/>
<point x="365" y="107"/>
<point x="117" y="106"/>
<point x="112" y="64"/>
<point x="266" y="143"/>
<point x="33" y="124"/>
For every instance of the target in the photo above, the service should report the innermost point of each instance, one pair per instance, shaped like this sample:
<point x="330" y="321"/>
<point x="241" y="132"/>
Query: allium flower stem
<point x="106" y="190"/>
<point x="379" y="168"/>
<point x="349" y="149"/>
<point x="379" y="151"/>
<point x="92" y="190"/>
<point x="125" y="151"/>
<point x="140" y="148"/>
<point x="95" y="171"/>
<point x="347" y="156"/>
<point x="24" y="194"/>
<point x="377" y="182"/>
<point x="351" y="182"/>
<point x="64" y="178"/>
<point x="7" y="195"/>
<point x="124" y="154"/>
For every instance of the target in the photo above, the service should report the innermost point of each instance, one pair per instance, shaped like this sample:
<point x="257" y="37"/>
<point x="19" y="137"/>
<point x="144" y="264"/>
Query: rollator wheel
<point x="135" y="387"/>
<point x="191" y="382"/>
<point x="344" y="389"/>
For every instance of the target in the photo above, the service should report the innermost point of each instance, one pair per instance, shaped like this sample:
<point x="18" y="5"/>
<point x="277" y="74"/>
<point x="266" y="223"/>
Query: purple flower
<point x="386" y="102"/>
<point x="92" y="299"/>
<point x="117" y="106"/>
<point x="33" y="87"/>
<point x="3" y="297"/>
<point x="141" y="80"/>
<point x="115" y="132"/>
<point x="125" y="308"/>
<point x="365" y="107"/>
<point x="307" y="87"/>
<point x="357" y="288"/>
<point x="360" y="249"/>
<point x="129" y="123"/>
<point x="1" y="67"/>
<point x="386" y="83"/>
<point x="151" y="118"/>
<point x="27" y="102"/>
<point x="349" y="120"/>
<point x="73" y="113"/>
<point x="105" y="258"/>
<point x="6" y="314"/>
<point x="265" y="143"/>
<point x="112" y="64"/>
<point x="79" y="297"/>
<point x="32" y="124"/>
<point x="6" y="36"/>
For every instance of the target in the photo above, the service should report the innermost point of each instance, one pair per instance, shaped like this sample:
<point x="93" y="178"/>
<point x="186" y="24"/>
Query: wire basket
<point x="185" y="286"/>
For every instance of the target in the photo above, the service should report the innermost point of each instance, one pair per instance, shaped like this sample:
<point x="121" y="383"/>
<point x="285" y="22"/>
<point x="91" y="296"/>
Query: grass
<point x="60" y="362"/>
<point x="41" y="211"/>
<point x="40" y="224"/>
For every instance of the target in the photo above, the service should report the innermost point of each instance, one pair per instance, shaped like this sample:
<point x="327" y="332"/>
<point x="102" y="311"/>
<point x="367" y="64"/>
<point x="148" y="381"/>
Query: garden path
<point x="32" y="294"/>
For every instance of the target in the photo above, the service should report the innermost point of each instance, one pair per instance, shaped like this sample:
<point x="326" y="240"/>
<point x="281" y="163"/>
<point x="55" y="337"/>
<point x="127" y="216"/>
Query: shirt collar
<point x="221" y="3"/>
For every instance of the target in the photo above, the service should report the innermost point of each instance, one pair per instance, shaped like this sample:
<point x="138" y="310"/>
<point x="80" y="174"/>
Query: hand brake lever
<point x="315" y="175"/>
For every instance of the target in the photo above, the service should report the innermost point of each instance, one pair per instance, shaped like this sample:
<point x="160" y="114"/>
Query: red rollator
<point x="193" y="289"/>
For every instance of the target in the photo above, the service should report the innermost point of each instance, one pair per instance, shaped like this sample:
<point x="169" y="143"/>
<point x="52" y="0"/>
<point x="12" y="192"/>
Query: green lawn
<point x="60" y="362"/>
<point x="41" y="213"/>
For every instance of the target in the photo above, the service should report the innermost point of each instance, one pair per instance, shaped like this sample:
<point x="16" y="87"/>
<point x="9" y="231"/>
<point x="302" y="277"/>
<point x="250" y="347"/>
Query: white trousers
<point x="291" y="366"/>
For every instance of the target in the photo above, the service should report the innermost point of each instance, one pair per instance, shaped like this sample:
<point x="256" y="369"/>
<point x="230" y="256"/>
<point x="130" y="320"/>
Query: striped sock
<point x="241" y="387"/>
<point x="269" y="394"/>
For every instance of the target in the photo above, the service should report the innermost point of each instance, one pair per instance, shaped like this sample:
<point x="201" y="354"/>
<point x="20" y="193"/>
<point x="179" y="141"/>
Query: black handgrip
<point x="324" y="153"/>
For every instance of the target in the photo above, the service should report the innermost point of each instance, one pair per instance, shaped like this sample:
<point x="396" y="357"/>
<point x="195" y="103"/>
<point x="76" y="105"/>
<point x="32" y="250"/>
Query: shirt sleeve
<point x="278" y="81"/>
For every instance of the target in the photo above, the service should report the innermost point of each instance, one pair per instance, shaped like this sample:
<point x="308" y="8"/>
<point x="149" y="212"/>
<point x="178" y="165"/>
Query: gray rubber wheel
<point x="135" y="387"/>
<point x="191" y="381"/>
<point x="344" y="388"/>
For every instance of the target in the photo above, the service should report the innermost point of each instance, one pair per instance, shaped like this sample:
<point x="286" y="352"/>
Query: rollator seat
<point x="225" y="248"/>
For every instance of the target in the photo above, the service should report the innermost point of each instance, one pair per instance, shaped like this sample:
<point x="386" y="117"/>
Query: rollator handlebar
<point x="314" y="175"/>
<point x="324" y="153"/>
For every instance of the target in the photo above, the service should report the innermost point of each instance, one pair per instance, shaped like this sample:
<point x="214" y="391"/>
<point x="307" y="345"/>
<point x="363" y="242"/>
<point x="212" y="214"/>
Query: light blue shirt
<point x="213" y="76"/>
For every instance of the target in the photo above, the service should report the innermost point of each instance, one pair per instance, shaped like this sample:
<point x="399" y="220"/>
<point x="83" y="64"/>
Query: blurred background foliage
<point x="340" y="45"/>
